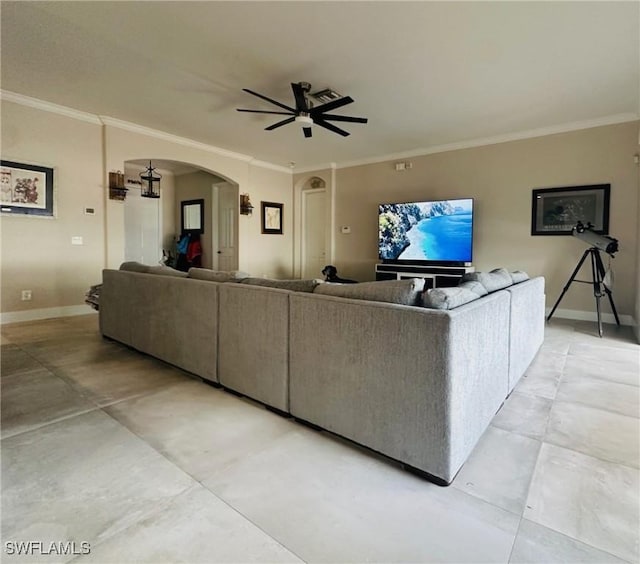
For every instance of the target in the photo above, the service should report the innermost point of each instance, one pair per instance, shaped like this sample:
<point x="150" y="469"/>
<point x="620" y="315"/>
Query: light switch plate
<point x="77" y="241"/>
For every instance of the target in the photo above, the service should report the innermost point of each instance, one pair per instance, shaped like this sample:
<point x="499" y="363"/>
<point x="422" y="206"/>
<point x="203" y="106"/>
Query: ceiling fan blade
<point x="269" y="100"/>
<point x="334" y="104"/>
<point x="307" y="131"/>
<point x="280" y="123"/>
<point x="330" y="127"/>
<point x="301" y="100"/>
<point x="265" y="112"/>
<point x="350" y="119"/>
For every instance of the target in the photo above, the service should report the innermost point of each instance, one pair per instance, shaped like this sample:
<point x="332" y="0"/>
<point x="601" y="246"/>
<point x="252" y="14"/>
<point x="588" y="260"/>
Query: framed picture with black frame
<point x="26" y="189"/>
<point x="556" y="211"/>
<point x="271" y="218"/>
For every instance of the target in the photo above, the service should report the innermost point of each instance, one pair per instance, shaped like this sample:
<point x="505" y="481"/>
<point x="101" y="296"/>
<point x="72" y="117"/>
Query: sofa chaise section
<point x="526" y="326"/>
<point x="417" y="385"/>
<point x="171" y="318"/>
<point x="253" y="344"/>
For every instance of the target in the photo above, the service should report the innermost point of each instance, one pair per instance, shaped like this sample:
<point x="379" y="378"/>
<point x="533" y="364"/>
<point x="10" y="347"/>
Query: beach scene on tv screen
<point x="438" y="231"/>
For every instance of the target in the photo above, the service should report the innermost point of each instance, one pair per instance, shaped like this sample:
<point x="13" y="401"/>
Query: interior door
<point x="142" y="229"/>
<point x="314" y="232"/>
<point x="227" y="233"/>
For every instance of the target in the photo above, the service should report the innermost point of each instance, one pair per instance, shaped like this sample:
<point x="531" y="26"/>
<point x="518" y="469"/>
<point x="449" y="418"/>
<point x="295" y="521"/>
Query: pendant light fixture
<point x="150" y="178"/>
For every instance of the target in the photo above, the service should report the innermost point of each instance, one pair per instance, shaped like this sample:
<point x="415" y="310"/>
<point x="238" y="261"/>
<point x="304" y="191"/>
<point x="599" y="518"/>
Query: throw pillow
<point x="493" y="281"/>
<point x="293" y="285"/>
<point x="405" y="292"/>
<point x="518" y="276"/>
<point x="474" y="286"/>
<point x="217" y="275"/>
<point x="448" y="298"/>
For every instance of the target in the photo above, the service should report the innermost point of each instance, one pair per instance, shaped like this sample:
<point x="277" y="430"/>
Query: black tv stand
<point x="435" y="276"/>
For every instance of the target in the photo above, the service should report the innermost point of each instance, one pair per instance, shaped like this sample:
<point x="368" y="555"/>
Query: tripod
<point x="597" y="274"/>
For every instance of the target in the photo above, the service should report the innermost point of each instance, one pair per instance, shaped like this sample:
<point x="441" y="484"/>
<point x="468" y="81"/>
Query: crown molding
<point x="271" y="166"/>
<point x="482" y="141"/>
<point x="185" y="141"/>
<point x="7" y="96"/>
<point x="323" y="166"/>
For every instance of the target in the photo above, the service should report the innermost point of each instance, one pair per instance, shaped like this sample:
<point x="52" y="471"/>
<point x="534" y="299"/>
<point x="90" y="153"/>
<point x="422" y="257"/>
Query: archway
<point x="154" y="227"/>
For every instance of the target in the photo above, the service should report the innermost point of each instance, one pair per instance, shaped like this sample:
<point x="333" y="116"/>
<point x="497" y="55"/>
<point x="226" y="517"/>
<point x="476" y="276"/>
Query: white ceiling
<point x="426" y="74"/>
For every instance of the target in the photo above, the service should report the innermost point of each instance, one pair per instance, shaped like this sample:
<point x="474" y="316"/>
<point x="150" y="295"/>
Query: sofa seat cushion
<point x="497" y="279"/>
<point x="133" y="266"/>
<point x="292" y="285"/>
<point x="405" y="292"/>
<point x="448" y="298"/>
<point x="217" y="275"/>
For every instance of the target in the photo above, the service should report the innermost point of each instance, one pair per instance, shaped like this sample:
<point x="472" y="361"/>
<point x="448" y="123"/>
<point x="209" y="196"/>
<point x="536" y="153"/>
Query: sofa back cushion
<point x="405" y="292"/>
<point x="292" y="285"/>
<point x="132" y="266"/>
<point x="448" y="298"/>
<point x="493" y="281"/>
<point x="217" y="275"/>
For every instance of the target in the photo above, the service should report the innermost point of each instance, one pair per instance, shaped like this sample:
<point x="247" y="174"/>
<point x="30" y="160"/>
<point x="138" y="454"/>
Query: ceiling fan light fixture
<point x="304" y="121"/>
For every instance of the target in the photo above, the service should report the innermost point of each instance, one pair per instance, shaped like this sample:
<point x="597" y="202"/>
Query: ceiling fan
<point x="305" y="113"/>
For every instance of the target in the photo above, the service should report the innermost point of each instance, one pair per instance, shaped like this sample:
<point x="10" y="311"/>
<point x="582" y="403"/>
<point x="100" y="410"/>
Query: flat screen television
<point x="437" y="232"/>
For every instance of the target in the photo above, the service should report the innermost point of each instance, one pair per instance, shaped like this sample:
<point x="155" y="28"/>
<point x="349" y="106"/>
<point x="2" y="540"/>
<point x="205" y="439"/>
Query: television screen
<point x="437" y="231"/>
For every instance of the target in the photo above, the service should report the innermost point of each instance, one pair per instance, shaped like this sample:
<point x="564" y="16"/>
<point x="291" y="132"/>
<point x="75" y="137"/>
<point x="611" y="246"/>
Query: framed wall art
<point x="26" y="189"/>
<point x="271" y="218"/>
<point x="556" y="211"/>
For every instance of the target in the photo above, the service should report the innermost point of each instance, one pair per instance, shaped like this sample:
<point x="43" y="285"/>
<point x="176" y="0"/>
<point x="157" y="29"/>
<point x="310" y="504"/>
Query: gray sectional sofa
<point x="419" y="385"/>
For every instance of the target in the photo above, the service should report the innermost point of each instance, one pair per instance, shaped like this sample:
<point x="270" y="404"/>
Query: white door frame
<point x="298" y="221"/>
<point x="215" y="229"/>
<point x="303" y="249"/>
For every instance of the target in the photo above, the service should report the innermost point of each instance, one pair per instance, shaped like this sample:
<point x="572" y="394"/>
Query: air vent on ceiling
<point x="326" y="95"/>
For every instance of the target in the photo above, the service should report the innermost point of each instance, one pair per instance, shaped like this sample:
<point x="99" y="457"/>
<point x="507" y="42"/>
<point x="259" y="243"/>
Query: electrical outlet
<point x="26" y="295"/>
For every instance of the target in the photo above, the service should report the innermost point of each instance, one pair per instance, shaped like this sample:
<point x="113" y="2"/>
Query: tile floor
<point x="103" y="445"/>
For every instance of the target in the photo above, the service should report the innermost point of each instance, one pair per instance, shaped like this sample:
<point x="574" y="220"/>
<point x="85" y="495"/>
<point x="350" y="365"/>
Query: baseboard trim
<point x="45" y="313"/>
<point x="589" y="316"/>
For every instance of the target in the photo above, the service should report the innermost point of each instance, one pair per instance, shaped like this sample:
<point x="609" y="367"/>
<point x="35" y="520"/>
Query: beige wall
<point x="267" y="255"/>
<point x="501" y="177"/>
<point x="37" y="253"/>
